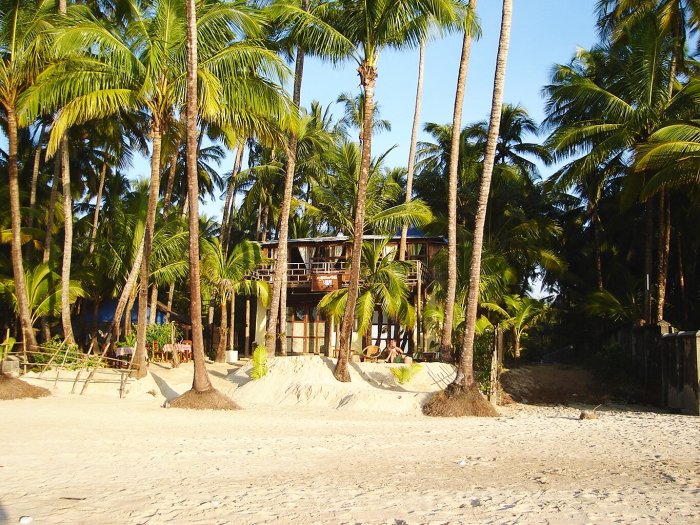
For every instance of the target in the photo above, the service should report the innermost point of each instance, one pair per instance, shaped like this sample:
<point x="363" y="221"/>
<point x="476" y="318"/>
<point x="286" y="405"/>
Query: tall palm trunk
<point x="35" y="175"/>
<point x="412" y="148"/>
<point x="131" y="281"/>
<point x="16" y="243"/>
<point x="598" y="253"/>
<point x="278" y="304"/>
<point x="232" y="324"/>
<point x="154" y="305"/>
<point x="67" y="243"/>
<point x="465" y="371"/>
<point x="451" y="292"/>
<point x="201" y="382"/>
<point x="648" y="258"/>
<point x="234" y="187"/>
<point x="368" y="79"/>
<point x="663" y="252"/>
<point x="223" y="331"/>
<point x="154" y="190"/>
<point x="51" y="210"/>
<point x="98" y="206"/>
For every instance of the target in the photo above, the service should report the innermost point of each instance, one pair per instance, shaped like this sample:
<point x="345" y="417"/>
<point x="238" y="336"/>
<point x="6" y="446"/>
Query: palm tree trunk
<point x="131" y="281"/>
<point x="16" y="225"/>
<point x="35" y="176"/>
<point x="648" y="259"/>
<point x="232" y="324"/>
<point x="236" y="170"/>
<point x="257" y="226"/>
<point x="201" y="382"/>
<point x="412" y="147"/>
<point x="368" y="79"/>
<point x="465" y="371"/>
<point x="129" y="312"/>
<point x="664" y="247"/>
<point x="266" y="219"/>
<point x="67" y="243"/>
<point x="451" y="292"/>
<point x="98" y="205"/>
<point x="230" y="195"/>
<point x="153" y="194"/>
<point x="223" y="331"/>
<point x="167" y="201"/>
<point x="51" y="210"/>
<point x="598" y="254"/>
<point x="279" y="279"/>
<point x="154" y="305"/>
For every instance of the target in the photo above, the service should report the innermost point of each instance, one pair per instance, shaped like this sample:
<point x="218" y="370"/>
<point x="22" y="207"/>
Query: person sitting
<point x="393" y="351"/>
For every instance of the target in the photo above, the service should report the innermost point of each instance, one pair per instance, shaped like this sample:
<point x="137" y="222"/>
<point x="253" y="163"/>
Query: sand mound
<point x="11" y="388"/>
<point x="209" y="400"/>
<point x="308" y="381"/>
<point x="459" y="404"/>
<point x="551" y="384"/>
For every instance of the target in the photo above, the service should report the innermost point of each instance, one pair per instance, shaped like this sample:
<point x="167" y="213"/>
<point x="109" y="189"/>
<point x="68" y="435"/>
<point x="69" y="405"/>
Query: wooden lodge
<point x="318" y="265"/>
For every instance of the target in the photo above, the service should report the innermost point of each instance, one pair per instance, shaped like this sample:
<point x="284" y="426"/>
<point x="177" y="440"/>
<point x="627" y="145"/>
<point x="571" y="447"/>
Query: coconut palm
<point x="371" y="27"/>
<point x="464" y="384"/>
<point x="334" y="202"/>
<point x="446" y="338"/>
<point x="145" y="68"/>
<point x="26" y="49"/>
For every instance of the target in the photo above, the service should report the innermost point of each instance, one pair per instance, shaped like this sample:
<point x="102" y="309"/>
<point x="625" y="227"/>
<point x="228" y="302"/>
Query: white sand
<point x="310" y="451"/>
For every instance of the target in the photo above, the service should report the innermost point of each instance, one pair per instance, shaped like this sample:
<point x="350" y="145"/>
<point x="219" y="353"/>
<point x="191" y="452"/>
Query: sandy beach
<point x="289" y="457"/>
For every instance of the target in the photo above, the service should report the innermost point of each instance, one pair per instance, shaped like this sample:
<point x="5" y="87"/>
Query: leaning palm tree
<point x="464" y="385"/>
<point x="26" y="48"/>
<point x="372" y="26"/>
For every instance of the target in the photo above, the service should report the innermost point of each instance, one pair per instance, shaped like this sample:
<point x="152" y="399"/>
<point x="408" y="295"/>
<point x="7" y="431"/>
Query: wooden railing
<point x="301" y="274"/>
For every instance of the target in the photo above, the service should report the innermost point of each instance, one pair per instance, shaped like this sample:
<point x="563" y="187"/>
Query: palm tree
<point x="114" y="81"/>
<point x="446" y="339"/>
<point x="200" y="383"/>
<point x="520" y="314"/>
<point x="334" y="202"/>
<point x="464" y="384"/>
<point x="604" y="106"/>
<point x="26" y="48"/>
<point x="372" y="26"/>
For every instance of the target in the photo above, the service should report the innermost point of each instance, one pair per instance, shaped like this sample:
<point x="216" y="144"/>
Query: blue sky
<point x="544" y="32"/>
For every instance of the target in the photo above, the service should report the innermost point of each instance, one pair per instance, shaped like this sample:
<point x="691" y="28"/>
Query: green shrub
<point x="6" y="347"/>
<point x="162" y="333"/>
<point x="404" y="374"/>
<point x="128" y="342"/>
<point x="259" y="369"/>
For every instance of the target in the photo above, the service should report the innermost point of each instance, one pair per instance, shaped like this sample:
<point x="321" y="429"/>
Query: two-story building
<point x="318" y="265"/>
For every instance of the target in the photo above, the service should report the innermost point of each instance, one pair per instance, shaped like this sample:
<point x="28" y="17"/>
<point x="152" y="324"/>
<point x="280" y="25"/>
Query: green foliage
<point x="404" y="374"/>
<point x="162" y="334"/>
<point x="483" y="350"/>
<point x="128" y="342"/>
<point x="6" y="347"/>
<point x="259" y="369"/>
